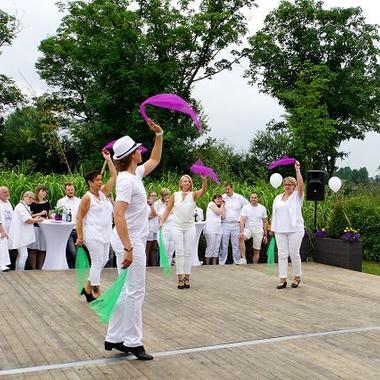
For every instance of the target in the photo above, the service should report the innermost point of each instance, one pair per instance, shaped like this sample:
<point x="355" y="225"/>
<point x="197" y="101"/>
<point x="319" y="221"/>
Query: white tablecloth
<point x="56" y="235"/>
<point x="199" y="226"/>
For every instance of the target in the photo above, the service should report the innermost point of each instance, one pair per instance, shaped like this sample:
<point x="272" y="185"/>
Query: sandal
<point x="282" y="285"/>
<point x="187" y="283"/>
<point x="181" y="284"/>
<point x="296" y="282"/>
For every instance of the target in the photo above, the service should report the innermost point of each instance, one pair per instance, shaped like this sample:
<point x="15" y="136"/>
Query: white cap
<point x="123" y="147"/>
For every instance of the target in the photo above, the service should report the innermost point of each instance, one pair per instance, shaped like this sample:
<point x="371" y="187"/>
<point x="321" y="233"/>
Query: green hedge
<point x="364" y="214"/>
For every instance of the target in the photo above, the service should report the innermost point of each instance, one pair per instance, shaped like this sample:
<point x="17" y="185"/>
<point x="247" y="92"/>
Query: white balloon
<point x="275" y="180"/>
<point x="335" y="184"/>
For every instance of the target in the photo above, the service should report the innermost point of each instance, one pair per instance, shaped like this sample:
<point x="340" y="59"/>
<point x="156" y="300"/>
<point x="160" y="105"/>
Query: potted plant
<point x="340" y="245"/>
<point x="58" y="213"/>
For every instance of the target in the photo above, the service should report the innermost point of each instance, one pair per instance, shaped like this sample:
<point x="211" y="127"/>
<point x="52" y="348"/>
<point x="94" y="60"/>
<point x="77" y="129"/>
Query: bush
<point x="338" y="221"/>
<point x="364" y="213"/>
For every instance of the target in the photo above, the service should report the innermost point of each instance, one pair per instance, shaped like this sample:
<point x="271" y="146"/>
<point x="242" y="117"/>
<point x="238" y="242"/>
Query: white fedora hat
<point x="123" y="147"/>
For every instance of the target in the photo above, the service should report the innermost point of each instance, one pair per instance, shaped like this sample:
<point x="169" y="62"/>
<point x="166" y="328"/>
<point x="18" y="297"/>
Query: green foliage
<point x="10" y="95"/>
<point x="322" y="66"/>
<point x="338" y="220"/>
<point x="110" y="55"/>
<point x="353" y="175"/>
<point x="364" y="213"/>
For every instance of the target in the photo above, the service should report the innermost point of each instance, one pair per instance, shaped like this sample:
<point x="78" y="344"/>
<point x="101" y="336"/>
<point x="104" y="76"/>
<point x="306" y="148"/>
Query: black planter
<point x="339" y="253"/>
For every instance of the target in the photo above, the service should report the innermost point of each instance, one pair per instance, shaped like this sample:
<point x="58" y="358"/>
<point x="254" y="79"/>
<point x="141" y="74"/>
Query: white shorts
<point x="257" y="237"/>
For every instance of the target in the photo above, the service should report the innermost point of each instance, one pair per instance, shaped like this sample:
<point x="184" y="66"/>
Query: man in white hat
<point x="125" y="328"/>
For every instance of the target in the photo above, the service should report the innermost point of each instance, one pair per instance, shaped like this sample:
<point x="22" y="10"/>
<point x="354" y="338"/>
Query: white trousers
<point x="4" y="253"/>
<point x="288" y="244"/>
<point x="99" y="253"/>
<point x="230" y="231"/>
<point x="169" y="244"/>
<point x="184" y="244"/>
<point x="21" y="258"/>
<point x="213" y="244"/>
<point x="125" y="324"/>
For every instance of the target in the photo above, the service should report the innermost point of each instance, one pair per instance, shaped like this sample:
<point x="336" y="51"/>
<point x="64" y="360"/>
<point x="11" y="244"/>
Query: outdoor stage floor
<point x="232" y="324"/>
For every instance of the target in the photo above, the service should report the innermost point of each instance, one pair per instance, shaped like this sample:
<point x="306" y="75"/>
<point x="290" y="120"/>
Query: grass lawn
<point x="371" y="267"/>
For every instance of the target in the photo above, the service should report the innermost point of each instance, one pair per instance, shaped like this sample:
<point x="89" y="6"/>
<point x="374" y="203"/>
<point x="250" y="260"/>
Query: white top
<point x="70" y="204"/>
<point x="130" y="189"/>
<point x="97" y="224"/>
<point x="153" y="222"/>
<point x="184" y="210"/>
<point x="167" y="226"/>
<point x="159" y="205"/>
<point x="287" y="216"/>
<point x="198" y="214"/>
<point x="233" y="206"/>
<point x="21" y="234"/>
<point x="6" y="212"/>
<point x="255" y="216"/>
<point x="213" y="220"/>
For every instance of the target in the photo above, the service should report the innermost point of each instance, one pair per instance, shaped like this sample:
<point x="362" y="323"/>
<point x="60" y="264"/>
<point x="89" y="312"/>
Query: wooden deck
<point x="232" y="324"/>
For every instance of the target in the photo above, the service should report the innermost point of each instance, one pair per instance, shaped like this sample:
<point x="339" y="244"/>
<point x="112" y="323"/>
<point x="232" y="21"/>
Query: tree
<point x="35" y="133"/>
<point x="10" y="95"/>
<point x="322" y="66"/>
<point x="108" y="56"/>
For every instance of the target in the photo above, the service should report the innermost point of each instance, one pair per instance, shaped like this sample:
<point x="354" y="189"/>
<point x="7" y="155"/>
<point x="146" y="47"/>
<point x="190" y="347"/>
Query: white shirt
<point x="97" y="224"/>
<point x="70" y="204"/>
<point x="287" y="216"/>
<point x="233" y="206"/>
<point x="254" y="217"/>
<point x="21" y="234"/>
<point x="184" y="210"/>
<point x="159" y="205"/>
<point x="130" y="189"/>
<point x="213" y="220"/>
<point x="6" y="212"/>
<point x="153" y="222"/>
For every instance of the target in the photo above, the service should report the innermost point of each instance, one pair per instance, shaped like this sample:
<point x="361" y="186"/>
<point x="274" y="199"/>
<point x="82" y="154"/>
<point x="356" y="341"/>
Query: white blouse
<point x="213" y="220"/>
<point x="97" y="224"/>
<point x="287" y="215"/>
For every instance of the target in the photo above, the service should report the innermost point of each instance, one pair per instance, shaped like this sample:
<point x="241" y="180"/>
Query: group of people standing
<point x="229" y="218"/>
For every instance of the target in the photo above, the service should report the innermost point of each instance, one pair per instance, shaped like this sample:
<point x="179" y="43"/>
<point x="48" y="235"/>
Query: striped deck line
<point x="106" y="361"/>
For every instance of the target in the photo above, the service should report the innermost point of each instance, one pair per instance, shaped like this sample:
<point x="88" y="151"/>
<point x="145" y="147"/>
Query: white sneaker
<point x="4" y="268"/>
<point x="242" y="261"/>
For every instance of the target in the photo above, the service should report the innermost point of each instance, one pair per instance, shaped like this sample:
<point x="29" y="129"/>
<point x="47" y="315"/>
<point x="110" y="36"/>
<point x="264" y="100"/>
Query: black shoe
<point x="282" y="285"/>
<point x="295" y="284"/>
<point x="139" y="352"/>
<point x="89" y="297"/>
<point x="117" y="346"/>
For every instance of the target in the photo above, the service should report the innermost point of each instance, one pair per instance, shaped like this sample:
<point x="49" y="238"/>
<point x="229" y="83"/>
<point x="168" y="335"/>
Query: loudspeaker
<point x="315" y="185"/>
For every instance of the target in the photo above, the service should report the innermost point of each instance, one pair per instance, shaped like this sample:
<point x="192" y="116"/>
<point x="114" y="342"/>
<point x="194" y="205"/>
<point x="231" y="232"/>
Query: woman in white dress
<point x="288" y="227"/>
<point x="21" y="230"/>
<point x="183" y="230"/>
<point x="213" y="229"/>
<point x="94" y="224"/>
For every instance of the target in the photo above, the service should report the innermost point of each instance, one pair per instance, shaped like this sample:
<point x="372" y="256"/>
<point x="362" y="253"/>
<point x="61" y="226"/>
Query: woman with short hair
<point x="94" y="224"/>
<point x="213" y="229"/>
<point x="288" y="227"/>
<point x="21" y="231"/>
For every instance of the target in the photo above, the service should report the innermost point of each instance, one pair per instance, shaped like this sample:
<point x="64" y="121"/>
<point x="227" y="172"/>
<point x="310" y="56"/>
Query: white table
<point x="199" y="226"/>
<point x="56" y="235"/>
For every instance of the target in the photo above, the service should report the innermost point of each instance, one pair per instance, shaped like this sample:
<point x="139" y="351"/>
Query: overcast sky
<point x="235" y="110"/>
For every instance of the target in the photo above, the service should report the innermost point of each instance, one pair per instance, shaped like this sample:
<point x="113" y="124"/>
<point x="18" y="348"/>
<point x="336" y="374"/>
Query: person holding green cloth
<point x="125" y="330"/>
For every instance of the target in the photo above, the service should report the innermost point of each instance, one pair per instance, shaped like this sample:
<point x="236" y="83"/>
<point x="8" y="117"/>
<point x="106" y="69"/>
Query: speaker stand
<point x="315" y="215"/>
